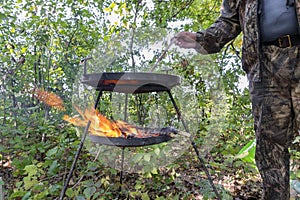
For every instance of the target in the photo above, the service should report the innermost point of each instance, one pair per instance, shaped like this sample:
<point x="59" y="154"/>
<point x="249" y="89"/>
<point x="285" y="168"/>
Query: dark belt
<point x="285" y="41"/>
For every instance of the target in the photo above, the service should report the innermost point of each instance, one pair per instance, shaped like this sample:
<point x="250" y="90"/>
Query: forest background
<point x="43" y="45"/>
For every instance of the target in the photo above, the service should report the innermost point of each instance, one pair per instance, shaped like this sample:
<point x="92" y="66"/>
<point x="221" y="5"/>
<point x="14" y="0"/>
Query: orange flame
<point x="102" y="126"/>
<point x="49" y="98"/>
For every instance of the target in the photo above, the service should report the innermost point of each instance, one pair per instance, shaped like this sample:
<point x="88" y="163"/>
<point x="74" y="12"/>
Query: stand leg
<point x="62" y="194"/>
<point x="195" y="148"/>
<point x="120" y="195"/>
<point x="122" y="167"/>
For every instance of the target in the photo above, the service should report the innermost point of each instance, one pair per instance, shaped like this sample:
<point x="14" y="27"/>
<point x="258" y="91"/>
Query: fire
<point x="49" y="98"/>
<point x="101" y="126"/>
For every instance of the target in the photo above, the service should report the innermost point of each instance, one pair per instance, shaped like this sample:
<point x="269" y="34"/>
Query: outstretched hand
<point x="186" y="40"/>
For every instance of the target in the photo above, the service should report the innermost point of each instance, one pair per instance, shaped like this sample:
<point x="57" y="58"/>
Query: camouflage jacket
<point x="238" y="16"/>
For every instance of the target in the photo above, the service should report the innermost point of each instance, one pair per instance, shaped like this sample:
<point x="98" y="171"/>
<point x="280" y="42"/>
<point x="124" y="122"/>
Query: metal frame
<point x="202" y="162"/>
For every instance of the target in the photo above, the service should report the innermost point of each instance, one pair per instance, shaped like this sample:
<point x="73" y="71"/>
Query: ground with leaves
<point x="189" y="184"/>
<point x="34" y="165"/>
<point x="92" y="180"/>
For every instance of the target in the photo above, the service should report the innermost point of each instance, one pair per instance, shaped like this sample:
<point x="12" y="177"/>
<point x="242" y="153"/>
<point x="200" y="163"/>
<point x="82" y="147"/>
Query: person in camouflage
<point x="273" y="71"/>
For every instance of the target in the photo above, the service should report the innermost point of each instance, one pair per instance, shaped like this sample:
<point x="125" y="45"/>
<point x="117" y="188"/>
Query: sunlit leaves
<point x="110" y="8"/>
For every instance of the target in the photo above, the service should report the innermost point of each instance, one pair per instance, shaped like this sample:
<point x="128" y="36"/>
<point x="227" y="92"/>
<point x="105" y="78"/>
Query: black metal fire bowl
<point x="129" y="142"/>
<point x="154" y="136"/>
<point x="131" y="82"/>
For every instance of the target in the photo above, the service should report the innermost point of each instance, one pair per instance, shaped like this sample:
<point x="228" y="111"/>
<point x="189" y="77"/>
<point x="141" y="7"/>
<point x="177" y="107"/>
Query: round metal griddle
<point x="131" y="82"/>
<point x="130" y="142"/>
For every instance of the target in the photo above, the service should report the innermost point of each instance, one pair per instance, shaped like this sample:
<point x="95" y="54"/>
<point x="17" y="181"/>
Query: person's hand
<point x="186" y="40"/>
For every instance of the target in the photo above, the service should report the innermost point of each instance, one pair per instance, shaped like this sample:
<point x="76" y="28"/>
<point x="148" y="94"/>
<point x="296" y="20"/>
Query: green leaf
<point x="145" y="196"/>
<point x="54" y="188"/>
<point x="26" y="196"/>
<point x="137" y="157"/>
<point x="138" y="186"/>
<point x="80" y="198"/>
<point x="31" y="170"/>
<point x="154" y="171"/>
<point x="88" y="192"/>
<point x="70" y="193"/>
<point x="247" y="153"/>
<point x="53" y="168"/>
<point x="28" y="182"/>
<point x="92" y="166"/>
<point x="42" y="195"/>
<point x="52" y="152"/>
<point x="1" y="150"/>
<point x="18" y="194"/>
<point x="23" y="50"/>
<point x="147" y="157"/>
<point x="298" y="174"/>
<point x="88" y="183"/>
<point x="19" y="184"/>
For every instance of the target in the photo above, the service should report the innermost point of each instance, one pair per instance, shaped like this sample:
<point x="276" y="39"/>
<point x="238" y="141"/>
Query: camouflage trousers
<point x="276" y="107"/>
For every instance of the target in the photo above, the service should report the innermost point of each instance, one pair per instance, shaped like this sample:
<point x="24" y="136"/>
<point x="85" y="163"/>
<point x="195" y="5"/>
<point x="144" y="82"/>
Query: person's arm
<point x="213" y="39"/>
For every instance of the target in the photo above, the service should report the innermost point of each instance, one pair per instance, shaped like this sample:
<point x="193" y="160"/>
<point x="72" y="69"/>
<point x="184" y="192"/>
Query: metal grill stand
<point x="80" y="146"/>
<point x="147" y="88"/>
<point x="203" y="166"/>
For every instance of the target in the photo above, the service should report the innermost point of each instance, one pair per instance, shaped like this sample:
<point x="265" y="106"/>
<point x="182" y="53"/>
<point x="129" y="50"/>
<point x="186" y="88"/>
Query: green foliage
<point x="38" y="162"/>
